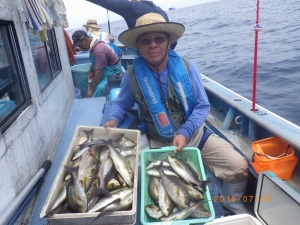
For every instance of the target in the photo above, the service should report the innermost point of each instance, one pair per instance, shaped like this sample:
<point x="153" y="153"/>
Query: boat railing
<point x="251" y="123"/>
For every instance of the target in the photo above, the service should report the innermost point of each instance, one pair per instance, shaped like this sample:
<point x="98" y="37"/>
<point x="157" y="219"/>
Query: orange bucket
<point x="275" y="155"/>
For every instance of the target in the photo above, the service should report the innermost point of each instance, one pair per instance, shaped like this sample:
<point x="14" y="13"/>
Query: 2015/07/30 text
<point x="244" y="198"/>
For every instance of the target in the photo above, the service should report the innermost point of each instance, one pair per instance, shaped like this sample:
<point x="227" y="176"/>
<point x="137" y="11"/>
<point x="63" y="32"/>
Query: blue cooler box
<point x="79" y="75"/>
<point x="82" y="57"/>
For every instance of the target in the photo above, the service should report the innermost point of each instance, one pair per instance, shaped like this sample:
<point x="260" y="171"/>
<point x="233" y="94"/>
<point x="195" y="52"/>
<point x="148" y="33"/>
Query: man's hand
<point x="109" y="124"/>
<point x="180" y="142"/>
<point x="89" y="93"/>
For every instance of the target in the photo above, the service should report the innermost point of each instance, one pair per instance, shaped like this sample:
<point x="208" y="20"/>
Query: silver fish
<point x="60" y="198"/>
<point x="167" y="170"/>
<point x="185" y="171"/>
<point x="157" y="163"/>
<point x="120" y="179"/>
<point x="121" y="165"/>
<point x="181" y="214"/>
<point x="121" y="205"/>
<point x="90" y="194"/>
<point x="153" y="188"/>
<point x="113" y="184"/>
<point x="88" y="159"/>
<point x="165" y="203"/>
<point x="106" y="173"/>
<point x="106" y="200"/>
<point x="114" y="137"/>
<point x="174" y="188"/>
<point x="200" y="211"/>
<point x="83" y="147"/>
<point x="76" y="197"/>
<point x="153" y="211"/>
<point x="90" y="177"/>
<point x="126" y="142"/>
<point x="127" y="152"/>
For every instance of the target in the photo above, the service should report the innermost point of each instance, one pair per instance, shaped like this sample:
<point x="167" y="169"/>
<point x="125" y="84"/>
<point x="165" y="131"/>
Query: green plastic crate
<point x="190" y="155"/>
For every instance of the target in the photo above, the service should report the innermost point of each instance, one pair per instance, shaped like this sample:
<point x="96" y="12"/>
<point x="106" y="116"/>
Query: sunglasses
<point x="157" y="40"/>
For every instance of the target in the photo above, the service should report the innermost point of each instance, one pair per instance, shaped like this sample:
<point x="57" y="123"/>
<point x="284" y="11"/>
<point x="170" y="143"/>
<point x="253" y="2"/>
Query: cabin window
<point x="46" y="58"/>
<point x="14" y="92"/>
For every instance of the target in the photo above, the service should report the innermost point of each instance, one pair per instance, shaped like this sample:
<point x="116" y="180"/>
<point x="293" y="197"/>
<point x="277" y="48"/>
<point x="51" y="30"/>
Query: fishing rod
<point x="257" y="28"/>
<point x="108" y="23"/>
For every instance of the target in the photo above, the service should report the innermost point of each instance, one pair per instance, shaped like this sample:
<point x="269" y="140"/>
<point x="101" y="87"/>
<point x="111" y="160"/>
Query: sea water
<point x="219" y="38"/>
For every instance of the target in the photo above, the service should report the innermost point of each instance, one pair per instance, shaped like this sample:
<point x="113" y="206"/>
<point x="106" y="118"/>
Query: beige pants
<point x="223" y="160"/>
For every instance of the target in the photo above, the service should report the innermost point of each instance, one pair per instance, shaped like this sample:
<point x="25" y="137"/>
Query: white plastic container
<point x="276" y="203"/>
<point x="242" y="219"/>
<point x="127" y="217"/>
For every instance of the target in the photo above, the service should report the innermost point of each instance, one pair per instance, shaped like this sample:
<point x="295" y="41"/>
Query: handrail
<point x="270" y="121"/>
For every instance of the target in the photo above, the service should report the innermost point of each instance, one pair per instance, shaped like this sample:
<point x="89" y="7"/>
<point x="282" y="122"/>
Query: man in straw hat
<point x="174" y="104"/>
<point x="104" y="63"/>
<point x="93" y="29"/>
<point x="132" y="10"/>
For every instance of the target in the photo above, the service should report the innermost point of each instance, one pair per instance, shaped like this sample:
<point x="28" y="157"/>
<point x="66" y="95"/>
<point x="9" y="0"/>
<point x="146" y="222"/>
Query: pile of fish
<point x="100" y="176"/>
<point x="175" y="190"/>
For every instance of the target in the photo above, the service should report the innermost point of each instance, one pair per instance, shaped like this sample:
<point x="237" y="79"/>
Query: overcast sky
<point x="78" y="11"/>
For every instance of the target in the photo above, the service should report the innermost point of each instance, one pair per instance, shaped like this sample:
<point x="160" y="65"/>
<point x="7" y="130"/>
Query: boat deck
<point x="88" y="112"/>
<point x="83" y="112"/>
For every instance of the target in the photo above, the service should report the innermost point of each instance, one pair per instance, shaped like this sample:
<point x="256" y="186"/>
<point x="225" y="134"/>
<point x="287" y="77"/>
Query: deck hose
<point x="12" y="208"/>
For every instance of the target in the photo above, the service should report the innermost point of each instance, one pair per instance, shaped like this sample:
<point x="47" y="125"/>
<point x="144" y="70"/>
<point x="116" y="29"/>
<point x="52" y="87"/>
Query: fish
<point x="200" y="211"/>
<point x="154" y="211"/>
<point x="121" y="165"/>
<point x="153" y="188"/>
<point x="167" y="170"/>
<point x="118" y="205"/>
<point x="62" y="195"/>
<point x="195" y="194"/>
<point x="165" y="203"/>
<point x="83" y="147"/>
<point x="90" y="194"/>
<point x="106" y="200"/>
<point x="114" y="137"/>
<point x="120" y="179"/>
<point x="89" y="134"/>
<point x="113" y="184"/>
<point x="106" y="173"/>
<point x="126" y="142"/>
<point x="76" y="197"/>
<point x="157" y="163"/>
<point x="90" y="177"/>
<point x="131" y="160"/>
<point x="181" y="214"/>
<point x="88" y="159"/>
<point x="127" y="152"/>
<point x="174" y="188"/>
<point x="185" y="171"/>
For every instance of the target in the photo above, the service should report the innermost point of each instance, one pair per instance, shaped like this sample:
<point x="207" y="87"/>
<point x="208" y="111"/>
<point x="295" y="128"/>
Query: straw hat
<point x="91" y="23"/>
<point x="151" y="22"/>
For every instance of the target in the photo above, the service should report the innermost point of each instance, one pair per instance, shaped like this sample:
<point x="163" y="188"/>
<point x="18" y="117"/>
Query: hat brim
<point x="75" y="45"/>
<point x="128" y="37"/>
<point x="91" y="26"/>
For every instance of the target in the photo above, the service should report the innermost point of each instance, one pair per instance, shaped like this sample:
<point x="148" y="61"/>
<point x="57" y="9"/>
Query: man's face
<point x="153" y="46"/>
<point x="84" y="44"/>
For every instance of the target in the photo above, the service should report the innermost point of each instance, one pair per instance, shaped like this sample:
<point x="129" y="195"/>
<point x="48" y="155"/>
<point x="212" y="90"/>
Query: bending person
<point x="104" y="63"/>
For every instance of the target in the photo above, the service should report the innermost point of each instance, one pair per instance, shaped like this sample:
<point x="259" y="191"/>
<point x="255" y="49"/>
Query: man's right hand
<point x="109" y="124"/>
